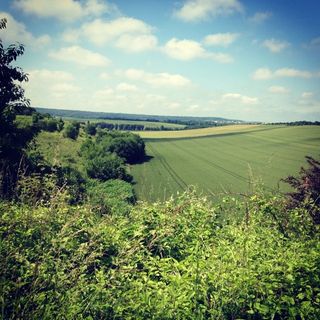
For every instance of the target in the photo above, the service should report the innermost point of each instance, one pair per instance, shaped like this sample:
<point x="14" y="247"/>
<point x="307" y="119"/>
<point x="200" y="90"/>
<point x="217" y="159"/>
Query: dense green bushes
<point x="106" y="155"/>
<point x="71" y="130"/>
<point x="175" y="260"/>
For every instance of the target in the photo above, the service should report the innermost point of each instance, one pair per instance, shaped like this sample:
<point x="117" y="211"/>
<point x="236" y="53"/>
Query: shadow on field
<point x="146" y="158"/>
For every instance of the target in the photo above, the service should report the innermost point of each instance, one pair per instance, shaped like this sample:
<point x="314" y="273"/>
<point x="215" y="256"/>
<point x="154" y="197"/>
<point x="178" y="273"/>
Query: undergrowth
<point x="174" y="260"/>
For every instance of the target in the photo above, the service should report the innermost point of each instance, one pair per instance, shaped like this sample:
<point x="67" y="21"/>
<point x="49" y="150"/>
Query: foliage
<point x="110" y="196"/>
<point x="90" y="128"/>
<point x="105" y="157"/>
<point x="13" y="140"/>
<point x="105" y="167"/>
<point x="71" y="130"/>
<point x="128" y="146"/>
<point x="71" y="179"/>
<point x="307" y="189"/>
<point x="47" y="123"/>
<point x="173" y="260"/>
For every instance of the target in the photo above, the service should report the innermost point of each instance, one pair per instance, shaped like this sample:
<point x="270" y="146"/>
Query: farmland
<point x="229" y="161"/>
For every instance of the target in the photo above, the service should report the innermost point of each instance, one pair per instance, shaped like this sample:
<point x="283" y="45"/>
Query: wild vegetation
<point x="75" y="244"/>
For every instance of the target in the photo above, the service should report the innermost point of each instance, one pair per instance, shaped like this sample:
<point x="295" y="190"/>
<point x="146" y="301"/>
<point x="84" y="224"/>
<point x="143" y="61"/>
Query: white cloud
<point x="17" y="32"/>
<point x="266" y="73"/>
<point x="278" y="89"/>
<point x="50" y="88"/>
<point x="275" y="46"/>
<point x="126" y="87"/>
<point x="293" y="73"/>
<point x="195" y="10"/>
<point x="62" y="90"/>
<point x="189" y="49"/>
<point x="65" y="10"/>
<point x="101" y="32"/>
<point x="184" y="49"/>
<point x="307" y="95"/>
<point x="240" y="98"/>
<point x="80" y="56"/>
<point x="104" y="76"/>
<point x="260" y="17"/>
<point x="262" y="74"/>
<point x="220" y="39"/>
<point x="49" y="76"/>
<point x="157" y="79"/>
<point x="136" y="43"/>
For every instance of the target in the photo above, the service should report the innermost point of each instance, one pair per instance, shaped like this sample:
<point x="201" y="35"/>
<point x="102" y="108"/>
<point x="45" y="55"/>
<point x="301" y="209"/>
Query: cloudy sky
<point x="240" y="59"/>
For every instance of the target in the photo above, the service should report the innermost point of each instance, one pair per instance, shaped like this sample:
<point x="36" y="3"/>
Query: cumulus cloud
<point x="220" y="39"/>
<point x="157" y="79"/>
<point x="240" y="98"/>
<point x="195" y="10"/>
<point x="17" y="32"/>
<point x="49" y="76"/>
<point x="275" y="46"/>
<point x="65" y="10"/>
<point x="278" y="89"/>
<point x="128" y="34"/>
<point x="266" y="74"/>
<point x="189" y="49"/>
<point x="184" y="49"/>
<point x="126" y="87"/>
<point x="80" y="56"/>
<point x="137" y="43"/>
<point x="50" y="87"/>
<point x="260" y="17"/>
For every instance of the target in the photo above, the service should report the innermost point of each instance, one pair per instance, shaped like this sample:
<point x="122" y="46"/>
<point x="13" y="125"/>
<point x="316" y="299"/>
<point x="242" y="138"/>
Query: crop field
<point x="232" y="162"/>
<point x="198" y="132"/>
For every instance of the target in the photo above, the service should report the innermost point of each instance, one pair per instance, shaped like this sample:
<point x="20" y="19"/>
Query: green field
<point x="210" y="131"/>
<point x="227" y="162"/>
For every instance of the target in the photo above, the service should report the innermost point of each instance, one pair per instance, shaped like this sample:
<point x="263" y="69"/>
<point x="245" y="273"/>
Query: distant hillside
<point x="126" y="116"/>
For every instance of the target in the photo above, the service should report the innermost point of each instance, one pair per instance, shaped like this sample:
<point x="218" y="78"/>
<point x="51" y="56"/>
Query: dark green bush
<point x="71" y="131"/>
<point x="105" y="167"/>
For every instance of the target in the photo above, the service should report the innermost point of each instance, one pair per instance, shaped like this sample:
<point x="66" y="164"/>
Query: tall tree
<point x="12" y="101"/>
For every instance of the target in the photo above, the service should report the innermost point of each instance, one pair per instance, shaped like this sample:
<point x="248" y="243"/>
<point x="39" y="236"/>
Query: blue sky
<point x="250" y="60"/>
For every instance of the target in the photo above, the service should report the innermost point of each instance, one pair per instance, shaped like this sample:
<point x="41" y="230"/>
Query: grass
<point x="228" y="162"/>
<point x="198" y="132"/>
<point x="58" y="150"/>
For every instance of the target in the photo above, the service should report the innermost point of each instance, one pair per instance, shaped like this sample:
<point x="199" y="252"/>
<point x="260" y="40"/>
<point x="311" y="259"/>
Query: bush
<point x="91" y="129"/>
<point x="112" y="196"/>
<point x="71" y="131"/>
<point x="105" y="167"/>
<point x="171" y="260"/>
<point x="307" y="189"/>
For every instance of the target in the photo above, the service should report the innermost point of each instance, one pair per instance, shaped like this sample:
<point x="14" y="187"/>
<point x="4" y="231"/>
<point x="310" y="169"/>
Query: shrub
<point x="112" y="196"/>
<point x="170" y="260"/>
<point x="105" y="167"/>
<point x="71" y="131"/>
<point x="307" y="189"/>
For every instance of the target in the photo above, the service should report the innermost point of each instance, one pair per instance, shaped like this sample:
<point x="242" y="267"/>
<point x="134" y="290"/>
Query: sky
<point x="238" y="59"/>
